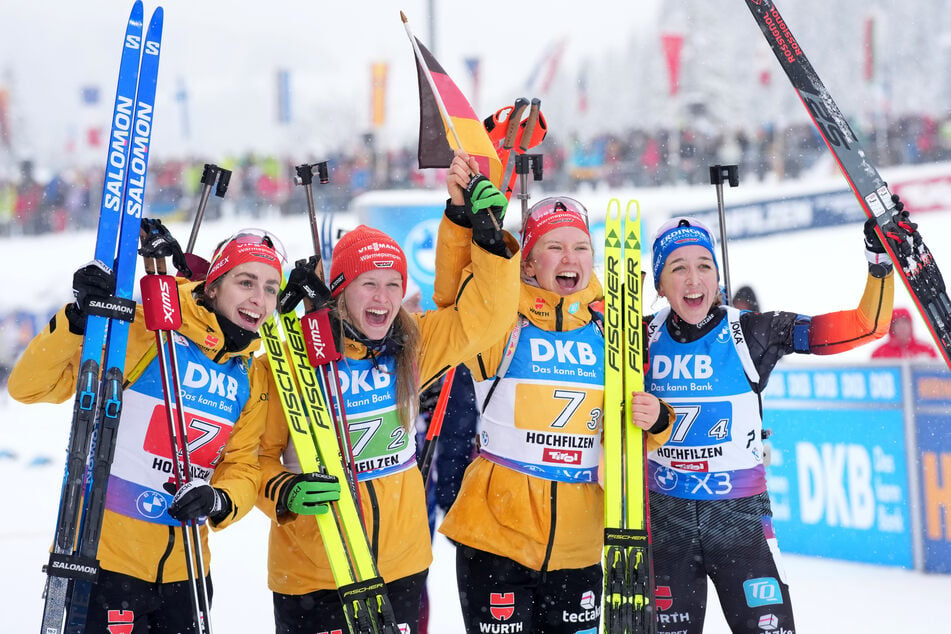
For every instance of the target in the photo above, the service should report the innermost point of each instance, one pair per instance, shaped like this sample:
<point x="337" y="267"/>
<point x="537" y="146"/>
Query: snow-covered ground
<point x="809" y="272"/>
<point x="830" y="596"/>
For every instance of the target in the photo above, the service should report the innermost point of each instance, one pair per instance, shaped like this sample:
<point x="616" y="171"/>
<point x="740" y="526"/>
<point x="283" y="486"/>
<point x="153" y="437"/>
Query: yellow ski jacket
<point x="539" y="523"/>
<point x="48" y="372"/>
<point x="481" y="310"/>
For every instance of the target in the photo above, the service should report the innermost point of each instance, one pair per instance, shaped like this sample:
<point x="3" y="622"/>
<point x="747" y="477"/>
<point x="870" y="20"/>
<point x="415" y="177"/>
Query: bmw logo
<point x="665" y="478"/>
<point x="151" y="504"/>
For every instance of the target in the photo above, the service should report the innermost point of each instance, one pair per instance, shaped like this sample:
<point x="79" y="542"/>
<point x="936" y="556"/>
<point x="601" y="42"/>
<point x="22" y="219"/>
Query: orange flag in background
<point x="379" y="72"/>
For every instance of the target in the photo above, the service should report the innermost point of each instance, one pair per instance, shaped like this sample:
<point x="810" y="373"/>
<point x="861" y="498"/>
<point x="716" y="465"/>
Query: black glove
<point x="901" y="232"/>
<point x="458" y="214"/>
<point x="487" y="205"/>
<point x="307" y="493"/>
<point x="198" y="499"/>
<point x="879" y="262"/>
<point x="92" y="281"/>
<point x="157" y="242"/>
<point x="304" y="283"/>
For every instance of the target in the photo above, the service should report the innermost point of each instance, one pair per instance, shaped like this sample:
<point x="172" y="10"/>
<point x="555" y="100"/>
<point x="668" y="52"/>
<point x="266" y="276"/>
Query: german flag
<point x="436" y="139"/>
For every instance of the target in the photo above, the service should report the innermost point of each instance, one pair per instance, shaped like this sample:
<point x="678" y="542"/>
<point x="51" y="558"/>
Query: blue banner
<point x="932" y="398"/>
<point x="780" y="215"/>
<point x="838" y="477"/>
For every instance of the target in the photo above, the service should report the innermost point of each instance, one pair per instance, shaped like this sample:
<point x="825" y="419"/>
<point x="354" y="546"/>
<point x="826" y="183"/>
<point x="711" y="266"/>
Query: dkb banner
<point x="839" y="475"/>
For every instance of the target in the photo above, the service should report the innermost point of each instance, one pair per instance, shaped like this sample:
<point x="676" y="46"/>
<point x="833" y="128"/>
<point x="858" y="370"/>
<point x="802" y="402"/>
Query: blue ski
<point x="109" y="407"/>
<point x="73" y="565"/>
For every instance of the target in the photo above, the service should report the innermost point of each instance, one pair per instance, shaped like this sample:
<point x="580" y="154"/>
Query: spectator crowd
<point x="34" y="200"/>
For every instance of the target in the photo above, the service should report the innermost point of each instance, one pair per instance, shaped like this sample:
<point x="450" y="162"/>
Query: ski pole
<point x="330" y="382"/>
<point x="435" y="427"/>
<point x="523" y="128"/>
<point x="163" y="316"/>
<point x="323" y="355"/>
<point x="524" y="162"/>
<point x="305" y="176"/>
<point x="319" y="320"/>
<point x="528" y="127"/>
<point x="531" y="131"/>
<point x="526" y="142"/>
<point x="717" y="174"/>
<point x="211" y="176"/>
<point x="508" y="144"/>
<point x="534" y="128"/>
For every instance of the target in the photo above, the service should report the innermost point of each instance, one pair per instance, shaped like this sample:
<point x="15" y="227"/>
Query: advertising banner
<point x="931" y="391"/>
<point x="838" y="477"/>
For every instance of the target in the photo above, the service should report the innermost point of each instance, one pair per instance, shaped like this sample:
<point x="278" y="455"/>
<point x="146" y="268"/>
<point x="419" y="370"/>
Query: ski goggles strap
<point x="248" y="245"/>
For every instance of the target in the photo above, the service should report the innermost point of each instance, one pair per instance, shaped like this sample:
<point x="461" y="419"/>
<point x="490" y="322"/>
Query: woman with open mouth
<point x="709" y="508"/>
<point x="529" y="518"/>
<point x="389" y="357"/>
<point x="143" y="579"/>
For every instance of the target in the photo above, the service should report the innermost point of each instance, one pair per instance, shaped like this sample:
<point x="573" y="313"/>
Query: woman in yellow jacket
<point x="389" y="357"/>
<point x="529" y="519"/>
<point x="143" y="573"/>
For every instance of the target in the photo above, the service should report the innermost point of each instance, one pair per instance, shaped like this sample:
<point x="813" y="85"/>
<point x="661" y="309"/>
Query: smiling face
<point x="372" y="301"/>
<point x="246" y="295"/>
<point x="689" y="282"/>
<point x="561" y="261"/>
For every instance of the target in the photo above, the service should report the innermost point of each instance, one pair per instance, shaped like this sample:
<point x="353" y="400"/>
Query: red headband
<point x="537" y="226"/>
<point x="236" y="253"/>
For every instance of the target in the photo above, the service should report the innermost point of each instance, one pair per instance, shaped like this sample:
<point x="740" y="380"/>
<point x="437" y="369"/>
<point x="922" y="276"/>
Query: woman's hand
<point x="457" y="176"/>
<point x="645" y="409"/>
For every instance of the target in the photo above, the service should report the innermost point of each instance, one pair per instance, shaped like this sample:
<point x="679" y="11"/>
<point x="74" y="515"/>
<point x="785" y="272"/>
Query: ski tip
<point x="613" y="210"/>
<point x="137" y="12"/>
<point x="635" y="205"/>
<point x="157" y="16"/>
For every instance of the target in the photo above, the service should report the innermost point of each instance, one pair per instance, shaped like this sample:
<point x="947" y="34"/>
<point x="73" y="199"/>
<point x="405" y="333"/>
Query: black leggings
<point x="730" y="541"/>
<point x="321" y="611"/>
<point x="500" y="595"/>
<point x="153" y="608"/>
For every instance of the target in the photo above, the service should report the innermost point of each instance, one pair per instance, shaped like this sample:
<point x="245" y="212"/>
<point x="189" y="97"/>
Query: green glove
<point x="308" y="493"/>
<point x="488" y="206"/>
<point x="483" y="197"/>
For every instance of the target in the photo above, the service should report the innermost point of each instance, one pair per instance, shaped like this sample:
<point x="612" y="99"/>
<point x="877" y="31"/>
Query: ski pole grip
<point x="305" y="173"/>
<point x="512" y="127"/>
<point x="522" y="163"/>
<point x="720" y="172"/>
<point x="160" y="302"/>
<point x="527" y="127"/>
<point x="533" y="162"/>
<point x="208" y="174"/>
<point x="224" y="179"/>
<point x="318" y="335"/>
